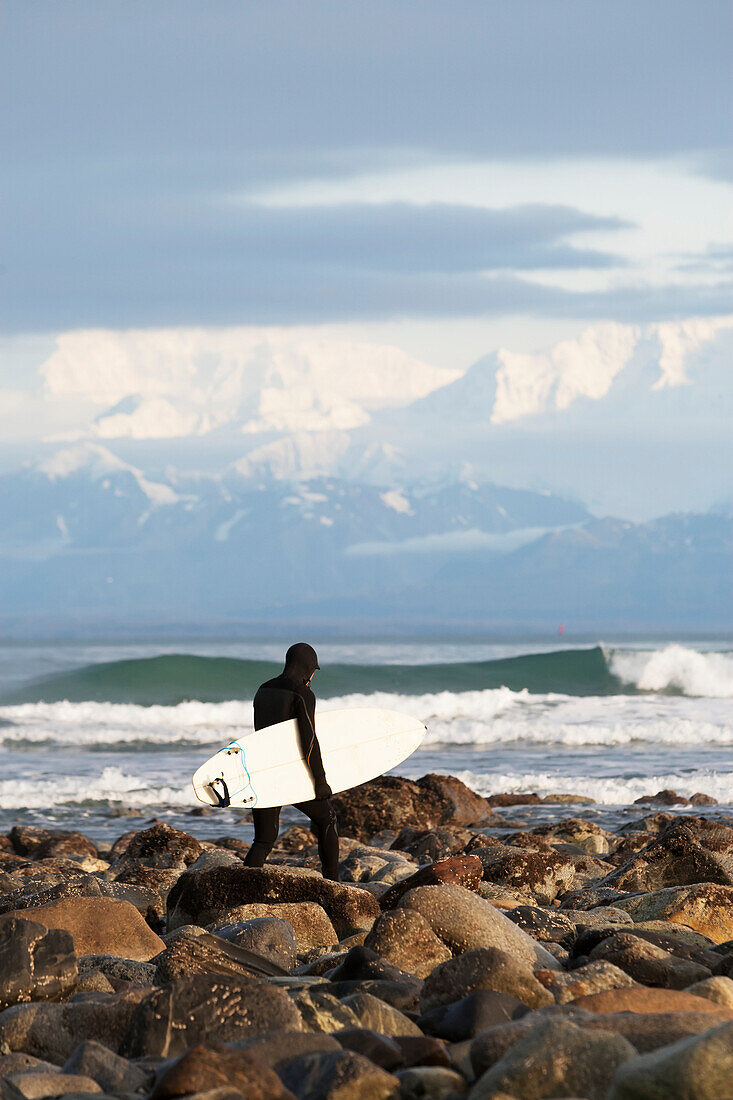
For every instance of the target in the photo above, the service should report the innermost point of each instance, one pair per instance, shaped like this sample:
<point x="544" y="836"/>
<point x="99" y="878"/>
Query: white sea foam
<point x="609" y="790"/>
<point x="111" y="785"/>
<point x="675" y="667"/>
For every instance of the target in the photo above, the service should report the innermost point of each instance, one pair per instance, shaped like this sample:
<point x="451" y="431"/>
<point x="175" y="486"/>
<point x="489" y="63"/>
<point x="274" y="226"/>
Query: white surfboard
<point x="267" y="768"/>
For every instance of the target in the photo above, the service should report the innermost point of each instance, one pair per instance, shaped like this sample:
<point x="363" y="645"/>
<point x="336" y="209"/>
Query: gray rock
<point x="36" y="963"/>
<point x="207" y="1068"/>
<point x="209" y="954"/>
<point x="53" y="1031"/>
<point x="274" y="1048"/>
<point x="120" y="970"/>
<point x="699" y="1068"/>
<point x="557" y="1058"/>
<point x="322" y="1012"/>
<point x="484" y="968"/>
<point x="269" y="937"/>
<point x="647" y="963"/>
<point x="543" y="925"/>
<point x="430" y="1083"/>
<point x="330" y="1076"/>
<point x="379" y="1049"/>
<point x="464" y="1019"/>
<point x="112" y="1073"/>
<point x="19" y="1061"/>
<point x="200" y="1008"/>
<point x="594" y="977"/>
<point x="404" y="938"/>
<point x="377" y="1015"/>
<point x="35" y="1086"/>
<point x="464" y="921"/>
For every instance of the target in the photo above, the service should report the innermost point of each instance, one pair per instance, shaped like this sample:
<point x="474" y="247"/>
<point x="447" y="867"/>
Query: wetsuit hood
<point x="301" y="661"/>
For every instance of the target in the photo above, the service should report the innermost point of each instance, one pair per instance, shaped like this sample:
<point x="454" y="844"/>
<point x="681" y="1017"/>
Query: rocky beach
<point x="471" y="948"/>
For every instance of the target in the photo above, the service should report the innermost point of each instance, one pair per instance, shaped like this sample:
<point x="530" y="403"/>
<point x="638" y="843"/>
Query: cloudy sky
<point x="446" y="177"/>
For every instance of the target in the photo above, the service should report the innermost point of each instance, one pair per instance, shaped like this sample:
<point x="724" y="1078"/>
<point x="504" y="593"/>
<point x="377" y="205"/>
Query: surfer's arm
<point x="311" y="749"/>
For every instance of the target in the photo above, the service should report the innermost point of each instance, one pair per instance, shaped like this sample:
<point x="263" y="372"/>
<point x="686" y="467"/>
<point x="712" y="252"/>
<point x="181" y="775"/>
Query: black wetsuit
<point x="289" y="696"/>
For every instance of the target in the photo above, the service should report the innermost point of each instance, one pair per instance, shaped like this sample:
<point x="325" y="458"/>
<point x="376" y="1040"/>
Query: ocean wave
<point x="112" y="786"/>
<point x="607" y="790"/>
<point x="675" y="668"/>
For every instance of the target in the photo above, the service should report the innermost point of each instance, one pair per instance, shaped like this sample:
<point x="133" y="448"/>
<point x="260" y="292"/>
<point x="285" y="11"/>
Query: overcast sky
<point x="445" y="176"/>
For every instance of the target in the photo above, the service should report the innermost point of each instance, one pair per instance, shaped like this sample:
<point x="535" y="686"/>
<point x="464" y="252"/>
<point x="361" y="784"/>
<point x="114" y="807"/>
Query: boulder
<point x="432" y="844"/>
<point x="275" y="1048"/>
<point x="200" y="897"/>
<point x="391" y="802"/>
<point x="403" y="937"/>
<point x="704" y="907"/>
<point x="676" y="857"/>
<point x="99" y="926"/>
<point x="431" y="1083"/>
<point x="209" y="1067"/>
<point x="337" y="1075"/>
<point x="36" y="963"/>
<point x="719" y="990"/>
<point x="200" y="1009"/>
<point x="540" y="875"/>
<point x="308" y="920"/>
<point x="700" y="1067"/>
<point x="483" y="968"/>
<point x="59" y="844"/>
<point x="513" y="799"/>
<point x="465" y="871"/>
<point x="662" y="798"/>
<point x="269" y="937"/>
<point x="159" y="846"/>
<point x="639" y="998"/>
<point x="557" y="1058"/>
<point x="377" y="1015"/>
<point x="647" y="963"/>
<point x="209" y="954"/>
<point x="464" y="922"/>
<point x="36" y="1086"/>
<point x="544" y="925"/>
<point x="594" y="977"/>
<point x="321" y="1011"/>
<point x="26" y="840"/>
<point x="379" y="1049"/>
<point x="464" y="1019"/>
<point x="112" y="1073"/>
<point x="117" y="970"/>
<point x="652" y="1030"/>
<point x="53" y="1031"/>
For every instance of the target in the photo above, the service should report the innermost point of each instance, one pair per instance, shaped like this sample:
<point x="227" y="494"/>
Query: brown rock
<point x="639" y="998"/>
<point x="36" y="964"/>
<point x="541" y="875"/>
<point x="99" y="926"/>
<point x="458" y="804"/>
<point x="719" y="990"/>
<point x="700" y="1067"/>
<point x="594" y="977"/>
<point x="375" y="1014"/>
<point x="163" y="846"/>
<point x="677" y="857"/>
<point x="209" y="954"/>
<point x="403" y="937"/>
<point x="650" y="1031"/>
<point x="484" y="968"/>
<point x="700" y="799"/>
<point x="663" y="798"/>
<point x="53" y="1031"/>
<point x="200" y="897"/>
<point x="309" y="921"/>
<point x="514" y="800"/>
<point x="337" y="1075"/>
<point x="208" y="1067"/>
<point x="647" y="963"/>
<point x="704" y="907"/>
<point x="36" y="1086"/>
<point x="59" y="844"/>
<point x="463" y="871"/>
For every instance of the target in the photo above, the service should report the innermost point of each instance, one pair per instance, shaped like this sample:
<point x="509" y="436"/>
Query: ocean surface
<point x="92" y="735"/>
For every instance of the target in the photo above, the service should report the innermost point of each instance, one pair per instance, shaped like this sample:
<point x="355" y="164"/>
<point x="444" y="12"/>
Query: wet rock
<point x="99" y="926"/>
<point x="36" y="964"/>
<point x="639" y="998"/>
<point x="647" y="963"/>
<point x="200" y="897"/>
<point x="308" y="920"/>
<point x="701" y="1067"/>
<point x="37" y="1086"/>
<point x="719" y="990"/>
<point x="331" y="1076"/>
<point x="379" y="1049"/>
<point x="704" y="907"/>
<point x="321" y="1011"/>
<point x="269" y="937"/>
<point x="594" y="977"/>
<point x="483" y="968"/>
<point x="201" y="1009"/>
<point x="209" y="954"/>
<point x="465" y="871"/>
<point x="464" y="921"/>
<point x="543" y="925"/>
<point x="403" y="937"/>
<point x="112" y="1073"/>
<point x="208" y="1067"/>
<point x="557" y="1058"/>
<point x="662" y="798"/>
<point x="464" y="1019"/>
<point x="160" y="846"/>
<point x="700" y="799"/>
<point x="513" y="799"/>
<point x="61" y="844"/>
<point x="117" y="969"/>
<point x="431" y="1083"/>
<point x="568" y="799"/>
<point x="377" y="1015"/>
<point x="391" y="802"/>
<point x="52" y="1031"/>
<point x="675" y="858"/>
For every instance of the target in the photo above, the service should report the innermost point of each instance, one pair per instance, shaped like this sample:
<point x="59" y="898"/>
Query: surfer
<point x="289" y="695"/>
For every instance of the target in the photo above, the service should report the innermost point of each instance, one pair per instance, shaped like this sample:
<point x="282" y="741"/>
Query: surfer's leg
<point x="323" y="816"/>
<point x="267" y="825"/>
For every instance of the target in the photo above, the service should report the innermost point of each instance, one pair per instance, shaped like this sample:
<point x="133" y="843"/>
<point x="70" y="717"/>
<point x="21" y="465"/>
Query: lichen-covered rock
<point x="36" y="963"/>
<point x="432" y="844"/>
<point x="700" y="1067"/>
<point x="202" y="1009"/>
<point x="540" y="875"/>
<point x="159" y="846"/>
<point x="483" y="968"/>
<point x="557" y="1058"/>
<point x="543" y="925"/>
<point x="704" y="907"/>
<point x="677" y="857"/>
<point x="465" y="871"/>
<point x="209" y="954"/>
<point x="594" y="977"/>
<point x="464" y="922"/>
<point x="201" y="897"/>
<point x="404" y="938"/>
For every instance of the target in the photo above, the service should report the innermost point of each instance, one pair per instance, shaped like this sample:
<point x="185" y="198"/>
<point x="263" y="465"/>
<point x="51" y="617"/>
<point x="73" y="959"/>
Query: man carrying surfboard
<point x="289" y="696"/>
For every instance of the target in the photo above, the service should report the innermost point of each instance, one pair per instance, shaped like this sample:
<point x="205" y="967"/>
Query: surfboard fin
<point x="222" y="799"/>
